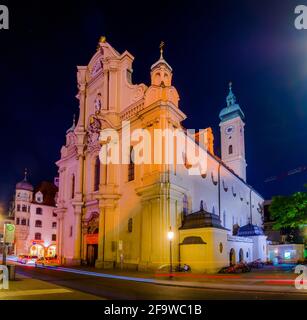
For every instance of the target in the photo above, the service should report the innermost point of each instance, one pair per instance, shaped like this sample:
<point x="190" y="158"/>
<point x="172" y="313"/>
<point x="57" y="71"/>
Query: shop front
<point x="39" y="249"/>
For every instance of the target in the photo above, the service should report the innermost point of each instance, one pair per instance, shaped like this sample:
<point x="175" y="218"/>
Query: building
<point x="35" y="220"/>
<point x="119" y="214"/>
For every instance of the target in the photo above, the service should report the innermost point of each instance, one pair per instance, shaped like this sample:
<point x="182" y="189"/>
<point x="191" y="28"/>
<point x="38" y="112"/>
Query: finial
<point x="74" y="120"/>
<point x="102" y="39"/>
<point x="162" y="44"/>
<point x="231" y="98"/>
<point x="26" y="174"/>
<point x="201" y="205"/>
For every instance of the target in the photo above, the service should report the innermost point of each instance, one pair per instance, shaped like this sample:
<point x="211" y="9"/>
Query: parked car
<point x="25" y="259"/>
<point x="47" y="261"/>
<point x="257" y="264"/>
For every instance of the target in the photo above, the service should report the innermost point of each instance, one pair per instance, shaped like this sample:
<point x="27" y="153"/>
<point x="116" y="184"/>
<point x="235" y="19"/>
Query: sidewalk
<point x="25" y="288"/>
<point x="274" y="281"/>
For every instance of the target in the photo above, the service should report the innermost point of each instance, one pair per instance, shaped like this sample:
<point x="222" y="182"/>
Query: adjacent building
<point x="35" y="220"/>
<point x="120" y="214"/>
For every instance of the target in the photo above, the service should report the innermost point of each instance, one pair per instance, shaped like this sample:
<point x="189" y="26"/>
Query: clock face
<point x="229" y="130"/>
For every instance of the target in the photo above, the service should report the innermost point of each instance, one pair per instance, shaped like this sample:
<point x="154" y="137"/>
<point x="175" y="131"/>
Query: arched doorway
<point x="241" y="255"/>
<point x="51" y="251"/>
<point x="91" y="239"/>
<point x="232" y="257"/>
<point x="37" y="250"/>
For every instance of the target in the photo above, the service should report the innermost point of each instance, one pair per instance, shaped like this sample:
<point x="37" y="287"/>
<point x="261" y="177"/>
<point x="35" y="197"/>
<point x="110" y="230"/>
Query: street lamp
<point x="170" y="236"/>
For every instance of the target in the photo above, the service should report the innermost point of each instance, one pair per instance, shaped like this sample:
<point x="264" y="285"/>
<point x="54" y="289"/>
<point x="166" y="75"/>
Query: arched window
<point x="38" y="236"/>
<point x="18" y="207"/>
<point x="39" y="211"/>
<point x="230" y="149"/>
<point x="23" y="222"/>
<point x="73" y="186"/>
<point x="53" y="237"/>
<point x="24" y="208"/>
<point x="97" y="174"/>
<point x="131" y="165"/>
<point x="38" y="224"/>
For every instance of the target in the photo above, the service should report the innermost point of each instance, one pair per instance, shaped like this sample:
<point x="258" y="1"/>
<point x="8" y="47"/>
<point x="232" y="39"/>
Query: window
<point x="54" y="214"/>
<point x="23" y="222"/>
<point x="131" y="165"/>
<point x="39" y="211"/>
<point x="53" y="224"/>
<point x="39" y="197"/>
<point x="18" y="207"/>
<point x="70" y="231"/>
<point x="17" y="221"/>
<point x="38" y="236"/>
<point x="97" y="174"/>
<point x="230" y="149"/>
<point x="53" y="238"/>
<point x="130" y="225"/>
<point x="73" y="186"/>
<point x="24" y="208"/>
<point x="38" y="224"/>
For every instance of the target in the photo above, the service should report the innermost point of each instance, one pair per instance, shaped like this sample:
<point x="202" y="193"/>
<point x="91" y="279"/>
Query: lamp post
<point x="170" y="236"/>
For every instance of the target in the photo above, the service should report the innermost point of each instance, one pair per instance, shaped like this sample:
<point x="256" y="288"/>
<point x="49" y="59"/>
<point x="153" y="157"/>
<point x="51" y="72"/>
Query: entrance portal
<point x="92" y="254"/>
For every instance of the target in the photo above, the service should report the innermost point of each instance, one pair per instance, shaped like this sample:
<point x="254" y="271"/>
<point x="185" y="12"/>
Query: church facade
<point x="112" y="214"/>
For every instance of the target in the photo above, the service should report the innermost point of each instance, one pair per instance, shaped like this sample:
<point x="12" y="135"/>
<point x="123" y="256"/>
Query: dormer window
<point x="39" y="197"/>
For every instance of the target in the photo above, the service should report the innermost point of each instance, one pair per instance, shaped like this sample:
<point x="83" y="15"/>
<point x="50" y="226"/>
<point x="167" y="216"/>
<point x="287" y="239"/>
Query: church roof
<point x="24" y="184"/>
<point x="250" y="230"/>
<point x="49" y="190"/>
<point x="161" y="60"/>
<point x="232" y="110"/>
<point x="201" y="219"/>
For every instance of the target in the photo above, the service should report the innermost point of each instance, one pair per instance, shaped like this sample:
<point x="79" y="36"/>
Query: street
<point x="86" y="286"/>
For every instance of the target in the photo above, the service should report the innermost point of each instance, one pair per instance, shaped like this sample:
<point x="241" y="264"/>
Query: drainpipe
<point x="219" y="189"/>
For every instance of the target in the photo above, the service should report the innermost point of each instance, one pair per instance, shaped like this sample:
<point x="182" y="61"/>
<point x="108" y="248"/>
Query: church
<point x="112" y="214"/>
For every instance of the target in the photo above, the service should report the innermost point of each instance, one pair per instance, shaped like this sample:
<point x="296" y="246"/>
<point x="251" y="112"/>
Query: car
<point x="25" y="259"/>
<point x="47" y="261"/>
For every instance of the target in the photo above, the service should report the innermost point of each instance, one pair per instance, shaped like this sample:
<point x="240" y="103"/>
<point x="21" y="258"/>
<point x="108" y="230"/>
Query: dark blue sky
<point x="208" y="43"/>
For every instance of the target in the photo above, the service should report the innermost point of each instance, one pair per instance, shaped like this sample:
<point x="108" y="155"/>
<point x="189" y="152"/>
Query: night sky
<point x="254" y="44"/>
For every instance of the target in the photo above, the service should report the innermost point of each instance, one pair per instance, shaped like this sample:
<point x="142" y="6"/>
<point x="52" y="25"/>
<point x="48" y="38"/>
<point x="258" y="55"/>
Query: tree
<point x="289" y="211"/>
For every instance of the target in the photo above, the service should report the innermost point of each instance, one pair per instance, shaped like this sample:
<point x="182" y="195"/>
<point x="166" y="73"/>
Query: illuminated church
<point x="112" y="215"/>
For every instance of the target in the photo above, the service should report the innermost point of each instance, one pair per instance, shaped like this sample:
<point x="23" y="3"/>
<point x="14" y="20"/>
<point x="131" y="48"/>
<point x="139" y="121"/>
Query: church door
<point x="92" y="254"/>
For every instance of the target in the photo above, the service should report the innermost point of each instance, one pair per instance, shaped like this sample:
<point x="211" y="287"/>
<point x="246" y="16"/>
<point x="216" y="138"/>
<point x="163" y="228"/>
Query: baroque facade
<point x="119" y="214"/>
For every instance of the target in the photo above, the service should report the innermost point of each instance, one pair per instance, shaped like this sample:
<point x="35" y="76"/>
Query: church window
<point x="221" y="247"/>
<point x="130" y="221"/>
<point x="131" y="167"/>
<point x="230" y="149"/>
<point x="53" y="225"/>
<point x="70" y="231"/>
<point x="38" y="224"/>
<point x="17" y="221"/>
<point x="53" y="237"/>
<point x="39" y="211"/>
<point x="18" y="207"/>
<point x="24" y="208"/>
<point x="97" y="174"/>
<point x="23" y="222"/>
<point x="38" y="236"/>
<point x="73" y="186"/>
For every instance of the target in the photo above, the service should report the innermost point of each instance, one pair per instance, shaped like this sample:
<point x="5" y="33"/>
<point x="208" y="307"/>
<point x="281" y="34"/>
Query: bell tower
<point x="232" y="135"/>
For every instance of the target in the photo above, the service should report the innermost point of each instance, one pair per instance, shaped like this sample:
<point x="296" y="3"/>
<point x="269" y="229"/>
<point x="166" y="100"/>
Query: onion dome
<point x="233" y="109"/>
<point x="24" y="184"/>
<point x="250" y="230"/>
